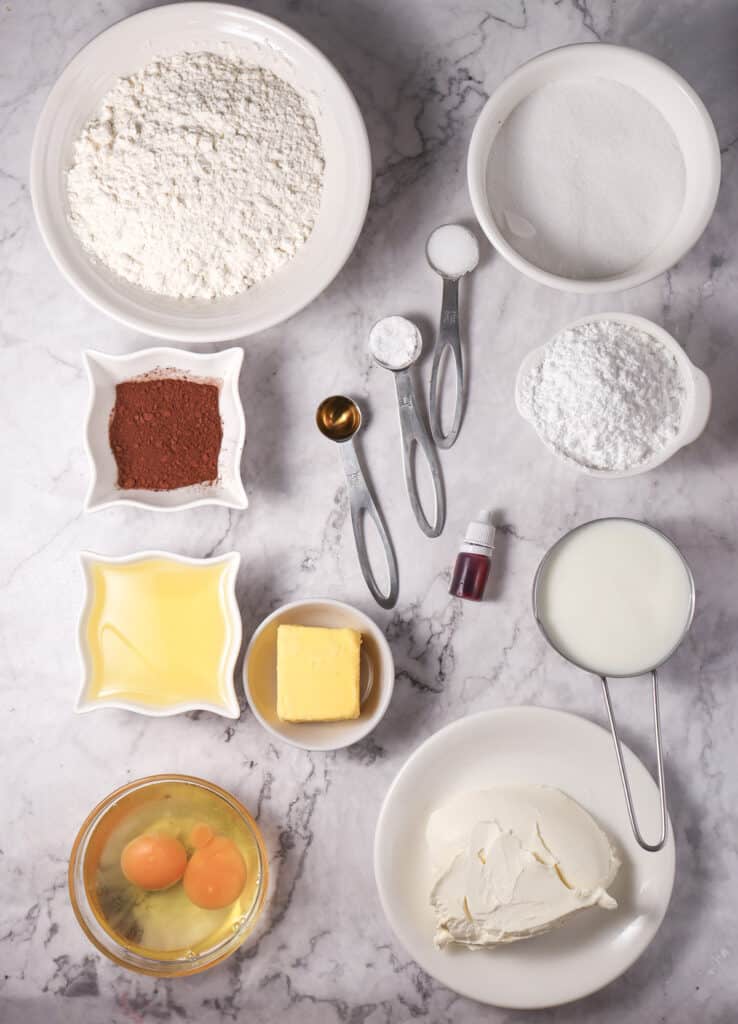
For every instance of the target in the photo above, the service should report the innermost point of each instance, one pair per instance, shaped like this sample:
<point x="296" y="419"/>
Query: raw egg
<point x="215" y="875"/>
<point x="201" y="835"/>
<point x="153" y="862"/>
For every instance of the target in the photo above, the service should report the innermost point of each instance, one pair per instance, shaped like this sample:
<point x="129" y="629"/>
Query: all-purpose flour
<point x="585" y="178"/>
<point x="199" y="177"/>
<point x="604" y="394"/>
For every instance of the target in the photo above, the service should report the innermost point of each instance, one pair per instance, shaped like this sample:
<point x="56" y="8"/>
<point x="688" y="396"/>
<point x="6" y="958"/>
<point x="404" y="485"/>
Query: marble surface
<point x="421" y="72"/>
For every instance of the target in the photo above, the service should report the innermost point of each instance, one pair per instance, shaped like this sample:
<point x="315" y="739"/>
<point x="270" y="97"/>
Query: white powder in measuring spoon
<point x="604" y="394"/>
<point x="199" y="176"/>
<point x="585" y="178"/>
<point x="395" y="342"/>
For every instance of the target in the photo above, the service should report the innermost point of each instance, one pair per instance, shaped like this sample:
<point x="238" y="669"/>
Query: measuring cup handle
<point x="448" y="337"/>
<point x="651" y="847"/>
<point x="414" y="433"/>
<point x="362" y="504"/>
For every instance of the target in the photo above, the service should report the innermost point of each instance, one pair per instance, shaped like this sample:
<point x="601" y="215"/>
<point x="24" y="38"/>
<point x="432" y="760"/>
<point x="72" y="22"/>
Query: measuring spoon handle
<point x="362" y="504"/>
<point x="415" y="434"/>
<point x="664" y="821"/>
<point x="448" y="337"/>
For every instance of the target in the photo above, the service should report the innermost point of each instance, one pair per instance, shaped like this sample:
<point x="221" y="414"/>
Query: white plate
<point x="672" y="96"/>
<point x="162" y="31"/>
<point x="260" y="674"/>
<point x="697" y="398"/>
<point x="105" y="371"/>
<point x="524" y="745"/>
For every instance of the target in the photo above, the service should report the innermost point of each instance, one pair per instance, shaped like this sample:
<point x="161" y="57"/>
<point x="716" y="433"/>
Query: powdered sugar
<point x="604" y="394"/>
<point x="199" y="177"/>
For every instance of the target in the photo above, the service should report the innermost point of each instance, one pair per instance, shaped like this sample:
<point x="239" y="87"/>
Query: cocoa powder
<point x="165" y="433"/>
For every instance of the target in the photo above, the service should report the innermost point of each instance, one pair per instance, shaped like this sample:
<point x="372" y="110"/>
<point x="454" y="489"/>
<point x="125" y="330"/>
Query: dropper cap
<point x="480" y="532"/>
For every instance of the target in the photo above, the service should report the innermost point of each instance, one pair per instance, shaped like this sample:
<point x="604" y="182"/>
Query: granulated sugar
<point x="586" y="178"/>
<point x="604" y="394"/>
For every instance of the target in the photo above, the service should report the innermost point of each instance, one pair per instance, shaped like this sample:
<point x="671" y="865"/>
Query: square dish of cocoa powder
<point x="166" y="433"/>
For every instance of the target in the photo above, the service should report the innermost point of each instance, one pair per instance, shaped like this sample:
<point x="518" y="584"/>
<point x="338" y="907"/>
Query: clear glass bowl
<point x="104" y="940"/>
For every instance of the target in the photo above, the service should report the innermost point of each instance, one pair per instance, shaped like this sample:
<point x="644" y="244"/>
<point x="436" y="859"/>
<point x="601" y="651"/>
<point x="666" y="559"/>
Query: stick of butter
<point x="317" y="673"/>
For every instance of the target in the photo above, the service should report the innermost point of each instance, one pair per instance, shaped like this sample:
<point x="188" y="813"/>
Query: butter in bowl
<point x="319" y="674"/>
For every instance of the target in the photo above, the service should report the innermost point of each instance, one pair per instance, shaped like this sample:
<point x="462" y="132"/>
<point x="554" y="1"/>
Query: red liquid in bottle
<point x="474" y="559"/>
<point x="470" y="576"/>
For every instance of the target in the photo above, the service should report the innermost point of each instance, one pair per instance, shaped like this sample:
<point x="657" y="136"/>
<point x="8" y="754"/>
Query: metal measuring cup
<point x="414" y="432"/>
<point x="644" y="670"/>
<point x="339" y="418"/>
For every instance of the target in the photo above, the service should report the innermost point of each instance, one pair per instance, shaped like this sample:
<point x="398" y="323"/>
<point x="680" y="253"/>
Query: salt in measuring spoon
<point x="339" y="418"/>
<point x="395" y="343"/>
<point x="452" y="251"/>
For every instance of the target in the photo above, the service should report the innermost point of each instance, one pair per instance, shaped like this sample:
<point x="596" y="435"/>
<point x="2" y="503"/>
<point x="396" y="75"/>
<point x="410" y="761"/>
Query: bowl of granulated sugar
<point x="613" y="395"/>
<point x="593" y="168"/>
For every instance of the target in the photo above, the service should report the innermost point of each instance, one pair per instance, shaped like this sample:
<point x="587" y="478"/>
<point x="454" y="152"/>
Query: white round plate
<point x="524" y="745"/>
<point x="219" y="28"/>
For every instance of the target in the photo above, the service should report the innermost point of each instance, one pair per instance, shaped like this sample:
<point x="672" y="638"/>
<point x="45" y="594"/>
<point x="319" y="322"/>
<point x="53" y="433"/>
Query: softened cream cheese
<point x="512" y="862"/>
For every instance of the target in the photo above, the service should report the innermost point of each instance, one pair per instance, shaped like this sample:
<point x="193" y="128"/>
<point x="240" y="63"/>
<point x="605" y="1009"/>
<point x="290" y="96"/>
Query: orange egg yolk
<point x="215" y="874"/>
<point x="153" y="862"/>
<point x="201" y="835"/>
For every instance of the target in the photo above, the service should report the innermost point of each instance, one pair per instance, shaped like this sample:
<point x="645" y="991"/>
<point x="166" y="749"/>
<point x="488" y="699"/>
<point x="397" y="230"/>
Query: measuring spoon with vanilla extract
<point x="339" y="418"/>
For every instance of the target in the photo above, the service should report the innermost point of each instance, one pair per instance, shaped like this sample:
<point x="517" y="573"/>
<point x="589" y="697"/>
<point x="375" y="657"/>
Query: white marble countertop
<point x="421" y="72"/>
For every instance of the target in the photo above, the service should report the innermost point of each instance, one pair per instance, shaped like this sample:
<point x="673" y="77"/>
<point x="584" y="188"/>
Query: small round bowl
<point x="104" y="941"/>
<point x="260" y="674"/>
<point x="218" y="28"/>
<point x="697" y="403"/>
<point x="667" y="91"/>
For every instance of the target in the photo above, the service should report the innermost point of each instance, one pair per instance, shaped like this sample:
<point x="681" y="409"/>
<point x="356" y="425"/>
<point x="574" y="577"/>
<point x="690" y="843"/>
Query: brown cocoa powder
<point x="165" y="433"/>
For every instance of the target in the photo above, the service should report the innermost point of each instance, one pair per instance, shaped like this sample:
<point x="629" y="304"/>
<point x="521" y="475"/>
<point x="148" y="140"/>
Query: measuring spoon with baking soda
<point x="395" y="343"/>
<point x="339" y="418"/>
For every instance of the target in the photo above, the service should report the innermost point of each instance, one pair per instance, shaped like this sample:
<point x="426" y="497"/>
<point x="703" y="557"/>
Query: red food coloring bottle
<point x="474" y="559"/>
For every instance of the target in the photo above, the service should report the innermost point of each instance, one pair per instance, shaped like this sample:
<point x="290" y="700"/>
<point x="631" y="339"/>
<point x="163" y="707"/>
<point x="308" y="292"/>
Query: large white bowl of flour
<point x="234" y="33"/>
<point x="593" y="168"/>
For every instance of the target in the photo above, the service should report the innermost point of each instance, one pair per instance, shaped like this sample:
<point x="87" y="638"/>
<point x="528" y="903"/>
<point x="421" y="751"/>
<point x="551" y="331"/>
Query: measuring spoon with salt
<point x="395" y="344"/>
<point x="452" y="251"/>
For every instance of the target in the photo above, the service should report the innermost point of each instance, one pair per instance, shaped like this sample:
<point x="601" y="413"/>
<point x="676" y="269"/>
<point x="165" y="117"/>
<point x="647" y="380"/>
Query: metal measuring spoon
<point x="398" y="359"/>
<point x="452" y="251"/>
<point x="339" y="418"/>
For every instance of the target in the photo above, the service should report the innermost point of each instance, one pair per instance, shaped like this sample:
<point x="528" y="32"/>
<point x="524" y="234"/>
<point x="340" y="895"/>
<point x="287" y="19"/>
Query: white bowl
<point x="697" y="403"/>
<point x="229" y="708"/>
<point x="105" y="371"/>
<point x="674" y="98"/>
<point x="162" y="31"/>
<point x="260" y="674"/>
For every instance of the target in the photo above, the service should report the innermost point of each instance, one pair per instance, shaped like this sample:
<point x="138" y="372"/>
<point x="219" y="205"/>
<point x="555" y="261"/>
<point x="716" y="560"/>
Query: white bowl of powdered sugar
<point x="613" y="395"/>
<point x="593" y="168"/>
<point x="200" y="172"/>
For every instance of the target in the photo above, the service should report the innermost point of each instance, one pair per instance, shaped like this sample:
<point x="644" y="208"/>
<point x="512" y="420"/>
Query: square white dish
<point x="104" y="372"/>
<point x="229" y="708"/>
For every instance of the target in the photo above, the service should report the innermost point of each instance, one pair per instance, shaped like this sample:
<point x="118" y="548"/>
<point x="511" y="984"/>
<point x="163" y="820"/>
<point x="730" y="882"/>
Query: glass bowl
<point x="168" y="965"/>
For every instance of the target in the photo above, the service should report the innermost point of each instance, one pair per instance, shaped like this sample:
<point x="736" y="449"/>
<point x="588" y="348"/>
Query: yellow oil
<point x="165" y="924"/>
<point x="158" y="633"/>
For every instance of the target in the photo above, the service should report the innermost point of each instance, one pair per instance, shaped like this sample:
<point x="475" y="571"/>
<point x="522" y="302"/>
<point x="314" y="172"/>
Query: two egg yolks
<point x="213" y="877"/>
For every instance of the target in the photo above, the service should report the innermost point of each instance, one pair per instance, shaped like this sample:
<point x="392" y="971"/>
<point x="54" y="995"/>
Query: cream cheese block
<point x="512" y="862"/>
